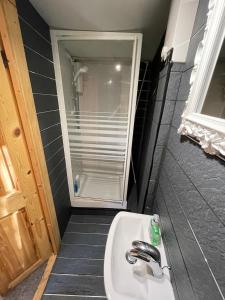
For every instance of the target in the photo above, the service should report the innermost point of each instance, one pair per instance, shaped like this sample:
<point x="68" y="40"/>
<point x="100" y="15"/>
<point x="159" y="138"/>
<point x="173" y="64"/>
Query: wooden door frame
<point x="15" y="55"/>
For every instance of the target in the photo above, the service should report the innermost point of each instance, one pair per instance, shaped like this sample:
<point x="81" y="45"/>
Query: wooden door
<point x="24" y="241"/>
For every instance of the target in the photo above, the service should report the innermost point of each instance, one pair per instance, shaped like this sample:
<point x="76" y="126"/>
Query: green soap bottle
<point x="155" y="233"/>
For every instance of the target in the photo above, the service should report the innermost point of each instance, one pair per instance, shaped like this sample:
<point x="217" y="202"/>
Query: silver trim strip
<point x="39" y="74"/>
<point x="81" y="296"/>
<point x="76" y="275"/>
<point x="63" y="257"/>
<point x="31" y="49"/>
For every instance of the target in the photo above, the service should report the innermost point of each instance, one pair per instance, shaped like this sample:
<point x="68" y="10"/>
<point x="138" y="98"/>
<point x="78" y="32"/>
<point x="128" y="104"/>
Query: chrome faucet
<point x="148" y="254"/>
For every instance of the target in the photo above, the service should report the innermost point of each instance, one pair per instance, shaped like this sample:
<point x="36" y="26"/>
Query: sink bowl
<point x="124" y="281"/>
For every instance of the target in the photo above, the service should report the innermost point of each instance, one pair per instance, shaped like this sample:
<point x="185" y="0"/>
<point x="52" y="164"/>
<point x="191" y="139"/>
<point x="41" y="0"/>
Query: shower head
<point x="83" y="69"/>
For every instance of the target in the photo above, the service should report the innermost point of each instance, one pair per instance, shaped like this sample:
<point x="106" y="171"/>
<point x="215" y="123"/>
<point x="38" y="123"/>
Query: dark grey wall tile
<point x="194" y="42"/>
<point x="42" y="85"/>
<point x="36" y="38"/>
<point x="55" y="159"/>
<point x="201" y="16"/>
<point x="30" y="15"/>
<point x="173" y="85"/>
<point x="177" y="67"/>
<point x="168" y="112"/>
<point x="39" y="64"/>
<point x="34" y="41"/>
<point x="156" y="161"/>
<point x="184" y="86"/>
<point x="180" y="278"/>
<point x="195" y="262"/>
<point x="50" y="134"/>
<point x="163" y="134"/>
<point x="45" y="102"/>
<point x="201" y="217"/>
<point x="178" y="111"/>
<point x="190" y="199"/>
<point x="160" y="89"/>
<point x="157" y="110"/>
<point x="48" y="118"/>
<point x="52" y="148"/>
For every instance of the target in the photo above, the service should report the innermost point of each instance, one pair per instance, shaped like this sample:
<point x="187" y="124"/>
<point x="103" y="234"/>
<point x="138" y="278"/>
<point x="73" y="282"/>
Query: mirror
<point x="214" y="104"/>
<point x="204" y="115"/>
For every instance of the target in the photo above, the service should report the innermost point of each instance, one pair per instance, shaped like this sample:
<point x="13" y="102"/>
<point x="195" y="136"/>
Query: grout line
<point x="42" y="94"/>
<point x="176" y="237"/>
<point x="52" y="141"/>
<point x="35" y="30"/>
<point x="47" y="111"/>
<point x="83" y="244"/>
<point x="76" y="295"/>
<point x="60" y="149"/>
<point x="58" y="176"/>
<point x="195" y="237"/>
<point x="75" y="275"/>
<point x="42" y="75"/>
<point x="58" y="163"/>
<point x="58" y="188"/>
<point x="87" y="232"/>
<point x="79" y="258"/>
<point x="46" y="128"/>
<point x="196" y="188"/>
<point x="86" y="223"/>
<point x="31" y="49"/>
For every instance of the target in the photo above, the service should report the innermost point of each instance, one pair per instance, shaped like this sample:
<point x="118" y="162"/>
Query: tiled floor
<point x="26" y="289"/>
<point x="78" y="271"/>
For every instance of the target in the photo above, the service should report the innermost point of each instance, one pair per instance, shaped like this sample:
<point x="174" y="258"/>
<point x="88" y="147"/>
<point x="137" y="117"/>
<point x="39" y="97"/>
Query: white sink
<point x="124" y="281"/>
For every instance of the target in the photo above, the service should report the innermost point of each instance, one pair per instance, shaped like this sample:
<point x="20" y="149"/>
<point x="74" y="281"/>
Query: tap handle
<point x="148" y="249"/>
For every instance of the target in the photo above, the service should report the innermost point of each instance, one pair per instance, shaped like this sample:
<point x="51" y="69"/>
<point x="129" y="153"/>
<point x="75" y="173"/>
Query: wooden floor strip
<point x="41" y="287"/>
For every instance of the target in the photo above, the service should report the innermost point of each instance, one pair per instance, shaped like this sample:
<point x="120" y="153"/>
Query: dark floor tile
<point x="87" y="228"/>
<point x="92" y="219"/>
<point x="26" y="289"/>
<point x="82" y="251"/>
<point x="81" y="238"/>
<point x="75" y="285"/>
<point x="78" y="266"/>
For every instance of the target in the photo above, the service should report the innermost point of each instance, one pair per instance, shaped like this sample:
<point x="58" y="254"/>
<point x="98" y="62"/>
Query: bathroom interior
<point x="112" y="150"/>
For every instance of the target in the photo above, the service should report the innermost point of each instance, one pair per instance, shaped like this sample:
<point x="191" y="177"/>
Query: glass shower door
<point x="96" y="79"/>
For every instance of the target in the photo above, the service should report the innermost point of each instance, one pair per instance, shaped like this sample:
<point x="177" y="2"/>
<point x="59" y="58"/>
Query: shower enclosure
<point x="97" y="79"/>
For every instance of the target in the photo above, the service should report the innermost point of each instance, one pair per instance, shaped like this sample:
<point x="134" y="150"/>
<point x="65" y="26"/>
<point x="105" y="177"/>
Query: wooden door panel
<point x="24" y="240"/>
<point x="17" y="243"/>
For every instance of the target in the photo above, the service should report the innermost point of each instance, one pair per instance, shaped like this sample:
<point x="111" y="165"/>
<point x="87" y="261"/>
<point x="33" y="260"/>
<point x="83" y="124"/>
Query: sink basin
<point x="124" y="281"/>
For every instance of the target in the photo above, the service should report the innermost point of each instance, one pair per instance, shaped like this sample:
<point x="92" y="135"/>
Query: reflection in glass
<point x="214" y="104"/>
<point x="96" y="79"/>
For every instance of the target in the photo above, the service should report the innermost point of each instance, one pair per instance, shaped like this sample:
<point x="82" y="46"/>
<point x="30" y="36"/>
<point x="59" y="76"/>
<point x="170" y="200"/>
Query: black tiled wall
<point x="189" y="194"/>
<point x="37" y="44"/>
<point x="144" y="89"/>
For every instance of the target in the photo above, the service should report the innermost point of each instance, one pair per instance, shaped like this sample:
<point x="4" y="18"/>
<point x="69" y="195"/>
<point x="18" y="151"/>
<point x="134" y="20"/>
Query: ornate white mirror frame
<point x="209" y="131"/>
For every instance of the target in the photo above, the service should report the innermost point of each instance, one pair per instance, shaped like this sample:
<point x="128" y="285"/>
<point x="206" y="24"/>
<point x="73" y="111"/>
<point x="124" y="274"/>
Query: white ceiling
<point x="99" y="49"/>
<point x="146" y="16"/>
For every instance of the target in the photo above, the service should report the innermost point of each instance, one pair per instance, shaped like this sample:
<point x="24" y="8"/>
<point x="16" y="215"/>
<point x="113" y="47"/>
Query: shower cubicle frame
<point x="59" y="35"/>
